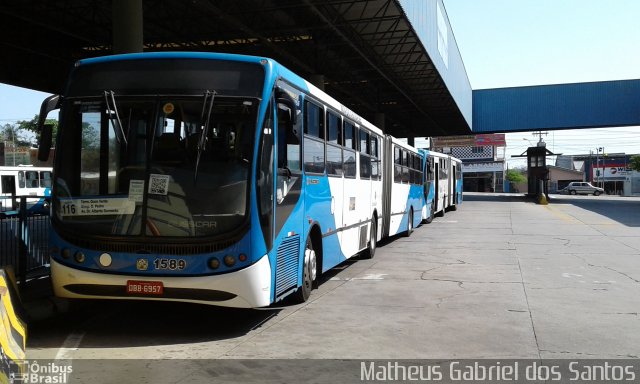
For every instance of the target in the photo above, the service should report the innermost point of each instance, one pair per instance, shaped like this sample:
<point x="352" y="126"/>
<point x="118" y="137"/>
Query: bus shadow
<point x="624" y="211"/>
<point x="503" y="197"/>
<point x="122" y="324"/>
<point x="133" y="323"/>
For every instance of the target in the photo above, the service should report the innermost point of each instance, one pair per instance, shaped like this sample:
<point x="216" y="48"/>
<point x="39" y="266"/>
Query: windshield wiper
<point x="205" y="116"/>
<point x="120" y="136"/>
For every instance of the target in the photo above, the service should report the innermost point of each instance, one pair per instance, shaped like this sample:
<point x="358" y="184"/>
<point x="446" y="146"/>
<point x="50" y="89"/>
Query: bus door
<point x="317" y="191"/>
<point x="452" y="184"/>
<point x="289" y="210"/>
<point x="289" y="216"/>
<point x="353" y="196"/>
<point x="335" y="174"/>
<point x="7" y="191"/>
<point x="437" y="195"/>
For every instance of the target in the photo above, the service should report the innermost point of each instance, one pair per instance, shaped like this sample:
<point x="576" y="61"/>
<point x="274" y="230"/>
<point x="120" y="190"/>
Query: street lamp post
<point x="600" y="179"/>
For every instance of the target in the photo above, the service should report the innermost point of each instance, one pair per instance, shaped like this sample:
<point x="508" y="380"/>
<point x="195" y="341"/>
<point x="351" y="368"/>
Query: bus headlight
<point x="229" y="261"/>
<point x="66" y="253"/>
<point x="79" y="257"/>
<point x="242" y="257"/>
<point x="214" y="263"/>
<point x="105" y="259"/>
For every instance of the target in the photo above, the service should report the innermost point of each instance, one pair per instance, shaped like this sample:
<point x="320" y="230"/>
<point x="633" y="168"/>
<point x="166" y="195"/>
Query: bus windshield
<point x="154" y="165"/>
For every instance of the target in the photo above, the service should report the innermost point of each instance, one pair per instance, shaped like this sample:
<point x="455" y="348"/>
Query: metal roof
<point x="369" y="53"/>
<point x="558" y="106"/>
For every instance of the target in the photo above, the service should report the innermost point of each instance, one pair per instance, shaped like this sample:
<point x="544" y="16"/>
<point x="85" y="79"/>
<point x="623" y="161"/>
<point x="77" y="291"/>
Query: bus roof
<point x="279" y="70"/>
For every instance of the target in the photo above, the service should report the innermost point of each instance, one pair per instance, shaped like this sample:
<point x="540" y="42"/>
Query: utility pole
<point x="13" y="131"/>
<point x="539" y="134"/>
<point x="604" y="165"/>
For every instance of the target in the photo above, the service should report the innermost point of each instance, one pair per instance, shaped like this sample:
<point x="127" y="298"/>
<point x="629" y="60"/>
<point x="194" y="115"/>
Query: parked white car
<point x="582" y="188"/>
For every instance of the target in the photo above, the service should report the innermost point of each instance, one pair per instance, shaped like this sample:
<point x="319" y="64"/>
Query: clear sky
<point x="19" y="103"/>
<point x="507" y="43"/>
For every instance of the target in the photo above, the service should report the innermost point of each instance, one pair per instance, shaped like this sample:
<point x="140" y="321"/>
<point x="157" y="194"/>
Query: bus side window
<point x="314" y="139"/>
<point x="32" y="179"/>
<point x="350" y="144"/>
<point x="288" y="140"/>
<point x="45" y="179"/>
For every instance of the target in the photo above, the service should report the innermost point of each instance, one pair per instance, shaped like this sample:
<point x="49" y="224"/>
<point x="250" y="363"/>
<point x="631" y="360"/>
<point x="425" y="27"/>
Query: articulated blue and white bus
<point x="215" y="178"/>
<point x="442" y="184"/>
<point x="403" y="195"/>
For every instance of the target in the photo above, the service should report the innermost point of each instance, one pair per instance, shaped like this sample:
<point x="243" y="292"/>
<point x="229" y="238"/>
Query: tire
<point x="573" y="192"/>
<point x="596" y="193"/>
<point x="409" y="224"/>
<point x="370" y="252"/>
<point x="429" y="219"/>
<point x="309" y="274"/>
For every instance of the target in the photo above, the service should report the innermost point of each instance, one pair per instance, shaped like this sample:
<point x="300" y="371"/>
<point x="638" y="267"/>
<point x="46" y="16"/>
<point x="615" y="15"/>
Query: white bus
<point x="443" y="184"/>
<point x="24" y="180"/>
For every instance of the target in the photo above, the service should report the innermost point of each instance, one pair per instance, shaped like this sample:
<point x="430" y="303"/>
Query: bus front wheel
<point x="308" y="273"/>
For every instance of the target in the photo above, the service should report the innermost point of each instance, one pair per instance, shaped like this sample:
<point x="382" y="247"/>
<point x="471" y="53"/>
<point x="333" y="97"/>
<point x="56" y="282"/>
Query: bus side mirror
<point x="49" y="104"/>
<point x="46" y="130"/>
<point x="46" y="139"/>
<point x="285" y="99"/>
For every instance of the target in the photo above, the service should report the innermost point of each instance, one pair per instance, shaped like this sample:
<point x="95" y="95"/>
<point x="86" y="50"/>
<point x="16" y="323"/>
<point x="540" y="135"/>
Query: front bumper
<point x="247" y="288"/>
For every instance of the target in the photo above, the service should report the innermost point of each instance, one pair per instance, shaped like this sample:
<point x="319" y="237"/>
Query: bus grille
<point x="287" y="264"/>
<point x="149" y="247"/>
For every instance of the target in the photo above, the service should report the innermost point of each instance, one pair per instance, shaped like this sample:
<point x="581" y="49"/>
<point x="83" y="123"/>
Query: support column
<point x="378" y="120"/>
<point x="127" y="26"/>
<point x="317" y="80"/>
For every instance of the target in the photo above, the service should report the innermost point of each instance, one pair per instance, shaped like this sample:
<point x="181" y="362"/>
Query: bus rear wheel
<point x="432" y="214"/>
<point x="373" y="242"/>
<point x="309" y="274"/>
<point x="409" y="224"/>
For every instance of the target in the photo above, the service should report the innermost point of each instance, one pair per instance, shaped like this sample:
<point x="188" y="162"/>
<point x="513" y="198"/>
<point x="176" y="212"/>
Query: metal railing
<point x="24" y="235"/>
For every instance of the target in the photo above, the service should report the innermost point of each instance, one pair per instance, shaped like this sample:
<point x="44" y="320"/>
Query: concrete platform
<point x="500" y="278"/>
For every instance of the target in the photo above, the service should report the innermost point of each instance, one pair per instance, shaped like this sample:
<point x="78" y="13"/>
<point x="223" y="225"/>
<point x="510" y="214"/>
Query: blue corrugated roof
<point x="560" y="106"/>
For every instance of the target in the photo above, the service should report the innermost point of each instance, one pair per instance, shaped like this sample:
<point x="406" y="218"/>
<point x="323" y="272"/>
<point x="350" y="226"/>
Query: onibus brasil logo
<point x="32" y="372"/>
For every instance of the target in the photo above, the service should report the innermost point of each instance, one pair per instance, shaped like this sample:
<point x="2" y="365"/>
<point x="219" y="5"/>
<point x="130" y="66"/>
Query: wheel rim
<point x="312" y="265"/>
<point x="373" y="241"/>
<point x="309" y="274"/>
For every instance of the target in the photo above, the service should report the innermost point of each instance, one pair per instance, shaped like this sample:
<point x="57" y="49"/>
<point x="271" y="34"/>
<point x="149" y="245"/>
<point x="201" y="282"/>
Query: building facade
<point x="483" y="163"/>
<point x="612" y="172"/>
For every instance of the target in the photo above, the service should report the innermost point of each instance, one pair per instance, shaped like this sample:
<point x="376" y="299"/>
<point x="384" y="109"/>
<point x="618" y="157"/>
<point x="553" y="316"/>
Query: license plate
<point x="135" y="287"/>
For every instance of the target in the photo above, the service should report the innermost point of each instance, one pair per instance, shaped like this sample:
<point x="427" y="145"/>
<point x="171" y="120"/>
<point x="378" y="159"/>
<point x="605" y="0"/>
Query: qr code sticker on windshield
<point x="158" y="184"/>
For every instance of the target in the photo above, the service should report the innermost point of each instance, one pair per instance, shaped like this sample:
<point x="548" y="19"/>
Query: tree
<point x="516" y="176"/>
<point x="11" y="133"/>
<point x="635" y="163"/>
<point x="32" y="126"/>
